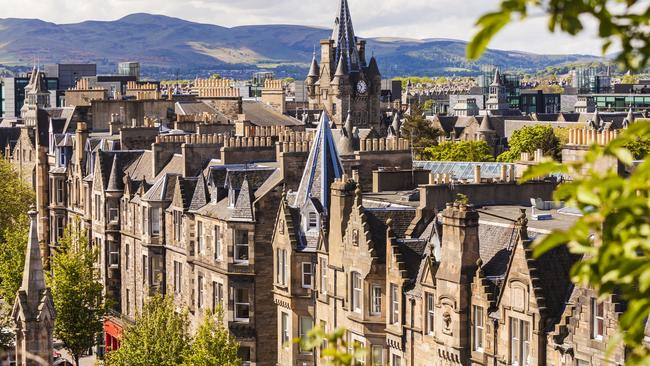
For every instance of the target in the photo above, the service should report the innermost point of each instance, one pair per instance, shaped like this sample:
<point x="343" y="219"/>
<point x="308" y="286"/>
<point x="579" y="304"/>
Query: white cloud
<point x="372" y="18"/>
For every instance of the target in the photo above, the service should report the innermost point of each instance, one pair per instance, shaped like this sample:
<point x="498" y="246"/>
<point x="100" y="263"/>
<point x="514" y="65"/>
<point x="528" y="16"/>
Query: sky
<point x="371" y="18"/>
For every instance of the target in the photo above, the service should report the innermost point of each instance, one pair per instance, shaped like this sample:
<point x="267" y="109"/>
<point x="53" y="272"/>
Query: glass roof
<point x="461" y="170"/>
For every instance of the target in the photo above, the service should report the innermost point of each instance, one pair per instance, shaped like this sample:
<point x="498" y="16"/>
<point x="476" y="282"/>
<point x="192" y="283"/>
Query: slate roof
<point x="122" y="160"/>
<point x="200" y="195"/>
<point x="8" y="137"/>
<point x="551" y="277"/>
<point x="162" y="190"/>
<point x="243" y="209"/>
<point x="376" y="220"/>
<point x="322" y="167"/>
<point x="412" y="254"/>
<point x="187" y="187"/>
<point x="262" y="115"/>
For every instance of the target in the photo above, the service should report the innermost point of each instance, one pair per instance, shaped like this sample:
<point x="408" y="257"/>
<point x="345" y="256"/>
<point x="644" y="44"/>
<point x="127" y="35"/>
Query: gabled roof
<point x="243" y="207"/>
<point x="200" y="195"/>
<point x="323" y="166"/>
<point x="162" y="190"/>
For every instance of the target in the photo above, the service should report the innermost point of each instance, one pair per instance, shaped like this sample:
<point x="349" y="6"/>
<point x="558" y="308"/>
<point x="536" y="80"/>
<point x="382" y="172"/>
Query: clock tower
<point x="344" y="82"/>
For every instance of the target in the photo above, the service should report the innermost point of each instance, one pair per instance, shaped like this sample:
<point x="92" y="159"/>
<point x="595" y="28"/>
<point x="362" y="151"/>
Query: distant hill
<point x="166" y="45"/>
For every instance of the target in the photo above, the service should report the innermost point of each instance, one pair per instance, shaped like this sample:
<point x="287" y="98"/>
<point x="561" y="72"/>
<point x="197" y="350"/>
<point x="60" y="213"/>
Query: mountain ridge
<point x="165" y="44"/>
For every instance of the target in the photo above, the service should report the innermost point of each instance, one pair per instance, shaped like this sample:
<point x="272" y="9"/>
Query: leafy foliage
<point x="625" y="22"/>
<point x="613" y="233"/>
<point x="419" y="131"/>
<point x="213" y="345"/>
<point x="160" y="336"/>
<point x="458" y="151"/>
<point x="15" y="200"/>
<point x="334" y="347"/>
<point x="12" y="258"/>
<point x="77" y="292"/>
<point x="529" y="139"/>
<point x="16" y="196"/>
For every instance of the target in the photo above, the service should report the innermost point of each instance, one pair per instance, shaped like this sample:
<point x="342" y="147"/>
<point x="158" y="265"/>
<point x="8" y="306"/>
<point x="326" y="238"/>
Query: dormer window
<point x="312" y="221"/>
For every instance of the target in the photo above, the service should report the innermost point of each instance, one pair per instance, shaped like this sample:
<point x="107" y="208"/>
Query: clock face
<point x="362" y="87"/>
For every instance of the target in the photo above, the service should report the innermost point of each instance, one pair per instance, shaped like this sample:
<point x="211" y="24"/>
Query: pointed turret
<point x="344" y="39"/>
<point x="114" y="181"/>
<point x="313" y="69"/>
<point x="485" y="125"/>
<point x="33" y="311"/>
<point x="323" y="165"/>
<point x="373" y="69"/>
<point x="346" y="141"/>
<point x="340" y="68"/>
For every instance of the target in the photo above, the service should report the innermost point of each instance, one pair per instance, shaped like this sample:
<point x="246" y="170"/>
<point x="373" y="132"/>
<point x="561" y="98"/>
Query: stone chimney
<point x="344" y="195"/>
<point x="81" y="136"/>
<point x="459" y="260"/>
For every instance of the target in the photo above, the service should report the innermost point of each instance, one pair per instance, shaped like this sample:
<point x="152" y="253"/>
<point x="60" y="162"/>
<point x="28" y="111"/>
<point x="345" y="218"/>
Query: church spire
<point x="33" y="312"/>
<point x="323" y="165"/>
<point x="344" y="39"/>
<point x="33" y="275"/>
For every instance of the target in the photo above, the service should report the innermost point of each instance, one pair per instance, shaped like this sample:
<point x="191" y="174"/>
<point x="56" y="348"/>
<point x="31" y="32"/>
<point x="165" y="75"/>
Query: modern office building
<point x="536" y="101"/>
<point x="12" y="94"/>
<point x="68" y="74"/>
<point x="129" y="69"/>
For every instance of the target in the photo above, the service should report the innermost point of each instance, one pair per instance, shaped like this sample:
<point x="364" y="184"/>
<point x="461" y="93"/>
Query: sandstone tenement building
<point x="287" y="223"/>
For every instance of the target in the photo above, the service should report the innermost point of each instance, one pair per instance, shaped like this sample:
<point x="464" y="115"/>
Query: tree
<point x="459" y="151"/>
<point x="215" y="76"/>
<point x="12" y="258"/>
<point x="612" y="233"/>
<point x="159" y="336"/>
<point x="335" y="349"/>
<point x="629" y="79"/>
<point x="77" y="292"/>
<point x="530" y="138"/>
<point x="625" y="22"/>
<point x="213" y="345"/>
<point x="16" y="197"/>
<point x="427" y="105"/>
<point x="419" y="130"/>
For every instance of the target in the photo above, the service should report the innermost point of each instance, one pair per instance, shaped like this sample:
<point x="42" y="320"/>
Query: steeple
<point x="33" y="275"/>
<point x="33" y="311"/>
<point x="323" y="165"/>
<point x="344" y="39"/>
